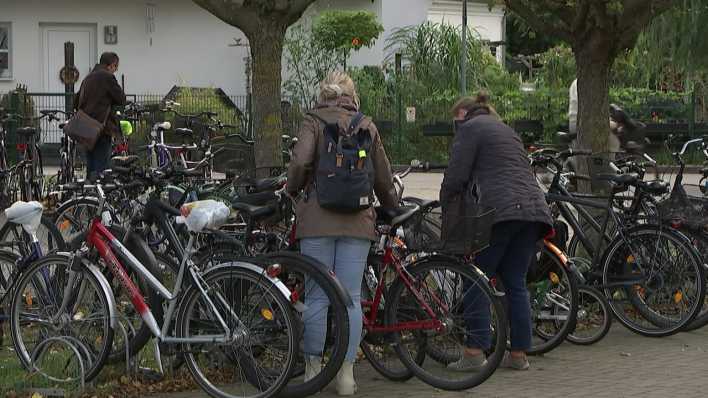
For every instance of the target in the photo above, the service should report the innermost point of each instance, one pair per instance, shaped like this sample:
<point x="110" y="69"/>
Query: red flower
<point x="356" y="42"/>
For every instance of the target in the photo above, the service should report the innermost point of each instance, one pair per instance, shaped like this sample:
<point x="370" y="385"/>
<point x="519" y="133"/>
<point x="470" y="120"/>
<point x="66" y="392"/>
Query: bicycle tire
<point x="700" y="240"/>
<point x="498" y="319"/>
<point x="92" y="365"/>
<point x="267" y="384"/>
<point x="370" y="344"/>
<point x="567" y="287"/>
<point x="587" y="293"/>
<point x="625" y="267"/>
<point x="297" y="264"/>
<point x="69" y="224"/>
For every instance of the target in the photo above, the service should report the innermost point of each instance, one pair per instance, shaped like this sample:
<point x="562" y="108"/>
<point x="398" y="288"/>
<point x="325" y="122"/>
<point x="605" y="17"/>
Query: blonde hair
<point x="338" y="84"/>
<point x="471" y="104"/>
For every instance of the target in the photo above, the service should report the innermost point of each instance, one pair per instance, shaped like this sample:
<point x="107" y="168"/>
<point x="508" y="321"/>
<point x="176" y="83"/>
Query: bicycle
<point x="631" y="271"/>
<point x="206" y="323"/>
<point x="13" y="267"/>
<point x="29" y="169"/>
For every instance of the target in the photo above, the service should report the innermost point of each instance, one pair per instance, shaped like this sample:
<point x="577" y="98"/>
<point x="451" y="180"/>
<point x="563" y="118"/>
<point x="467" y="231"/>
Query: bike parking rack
<point x="74" y="345"/>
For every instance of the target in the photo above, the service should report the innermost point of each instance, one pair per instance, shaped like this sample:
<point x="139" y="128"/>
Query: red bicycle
<point x="419" y="306"/>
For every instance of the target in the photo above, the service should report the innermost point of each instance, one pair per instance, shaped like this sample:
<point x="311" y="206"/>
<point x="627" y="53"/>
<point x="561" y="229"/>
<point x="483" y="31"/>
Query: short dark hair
<point x="109" y="58"/>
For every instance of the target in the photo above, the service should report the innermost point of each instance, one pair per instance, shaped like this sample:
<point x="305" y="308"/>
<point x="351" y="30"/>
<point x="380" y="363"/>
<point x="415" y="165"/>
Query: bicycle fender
<point x="96" y="272"/>
<point x="439" y="257"/>
<point x="318" y="267"/>
<point x="263" y="273"/>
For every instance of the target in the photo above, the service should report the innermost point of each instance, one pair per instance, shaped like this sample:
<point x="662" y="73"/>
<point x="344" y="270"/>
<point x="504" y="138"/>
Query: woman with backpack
<point x="337" y="165"/>
<point x="488" y="155"/>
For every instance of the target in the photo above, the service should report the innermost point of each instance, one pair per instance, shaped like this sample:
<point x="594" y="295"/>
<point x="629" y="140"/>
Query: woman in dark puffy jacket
<point x="490" y="156"/>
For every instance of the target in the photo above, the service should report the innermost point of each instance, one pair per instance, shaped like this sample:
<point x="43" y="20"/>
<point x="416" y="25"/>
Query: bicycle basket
<point x="422" y="233"/>
<point x="466" y="228"/>
<point x="685" y="209"/>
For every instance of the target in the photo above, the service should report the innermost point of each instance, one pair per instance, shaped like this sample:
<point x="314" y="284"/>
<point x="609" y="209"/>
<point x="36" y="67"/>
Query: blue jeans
<point x="511" y="249"/>
<point x="347" y="258"/>
<point x="98" y="158"/>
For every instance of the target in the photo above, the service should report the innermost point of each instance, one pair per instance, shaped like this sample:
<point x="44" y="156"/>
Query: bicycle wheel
<point x="14" y="238"/>
<point x="458" y="297"/>
<point x="553" y="294"/>
<point x="35" y="317"/>
<point x="303" y="276"/>
<point x="654" y="280"/>
<point x="594" y="317"/>
<point x="700" y="241"/>
<point x="74" y="216"/>
<point x="259" y="359"/>
<point x="378" y="347"/>
<point x="7" y="267"/>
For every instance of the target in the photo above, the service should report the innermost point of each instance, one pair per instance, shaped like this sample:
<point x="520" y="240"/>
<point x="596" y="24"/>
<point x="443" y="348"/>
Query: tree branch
<point x="297" y="8"/>
<point x="638" y="15"/>
<point x="233" y="12"/>
<point x="580" y="17"/>
<point x="537" y="22"/>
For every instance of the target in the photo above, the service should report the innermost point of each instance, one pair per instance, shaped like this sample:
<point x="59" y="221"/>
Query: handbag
<point x="84" y="129"/>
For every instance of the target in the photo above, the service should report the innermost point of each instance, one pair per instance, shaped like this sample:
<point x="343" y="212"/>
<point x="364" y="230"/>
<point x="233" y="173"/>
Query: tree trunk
<point x="594" y="61"/>
<point x="266" y="52"/>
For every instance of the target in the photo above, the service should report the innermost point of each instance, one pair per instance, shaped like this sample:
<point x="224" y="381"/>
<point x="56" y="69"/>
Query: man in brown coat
<point x="99" y="93"/>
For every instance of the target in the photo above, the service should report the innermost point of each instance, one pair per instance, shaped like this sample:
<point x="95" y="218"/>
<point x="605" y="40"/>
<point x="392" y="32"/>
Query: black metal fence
<point x="412" y="128"/>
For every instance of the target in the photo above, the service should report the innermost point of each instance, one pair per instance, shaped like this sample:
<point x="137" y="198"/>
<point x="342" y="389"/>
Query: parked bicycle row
<point x="206" y="271"/>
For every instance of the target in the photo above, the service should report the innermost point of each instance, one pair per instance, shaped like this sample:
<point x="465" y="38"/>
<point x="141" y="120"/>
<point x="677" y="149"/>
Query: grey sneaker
<point x="514" y="363"/>
<point x="468" y="363"/>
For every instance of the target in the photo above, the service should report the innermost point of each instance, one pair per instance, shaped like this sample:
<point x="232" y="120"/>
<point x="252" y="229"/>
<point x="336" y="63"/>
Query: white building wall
<point x="188" y="47"/>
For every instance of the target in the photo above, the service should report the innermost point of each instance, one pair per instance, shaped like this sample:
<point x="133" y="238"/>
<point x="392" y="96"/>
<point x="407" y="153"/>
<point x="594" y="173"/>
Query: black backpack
<point x="344" y="177"/>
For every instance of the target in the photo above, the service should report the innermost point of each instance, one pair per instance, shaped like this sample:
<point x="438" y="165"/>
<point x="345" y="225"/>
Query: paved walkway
<point x="621" y="365"/>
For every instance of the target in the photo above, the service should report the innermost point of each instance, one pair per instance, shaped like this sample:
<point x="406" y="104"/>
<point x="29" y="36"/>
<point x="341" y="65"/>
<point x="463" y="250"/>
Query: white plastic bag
<point x="27" y="214"/>
<point x="203" y="214"/>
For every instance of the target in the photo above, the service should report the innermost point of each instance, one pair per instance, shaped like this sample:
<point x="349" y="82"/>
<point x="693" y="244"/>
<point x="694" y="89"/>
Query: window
<point x="5" y="51"/>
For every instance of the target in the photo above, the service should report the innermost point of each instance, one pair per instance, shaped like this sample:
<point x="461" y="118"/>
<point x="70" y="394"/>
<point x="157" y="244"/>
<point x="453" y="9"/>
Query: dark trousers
<point x="97" y="159"/>
<point x="508" y="257"/>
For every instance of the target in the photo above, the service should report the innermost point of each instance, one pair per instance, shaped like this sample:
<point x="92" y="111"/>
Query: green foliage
<point x="557" y="67"/>
<point x="344" y="31"/>
<point x="308" y="61"/>
<point x="523" y="40"/>
<point x="431" y="54"/>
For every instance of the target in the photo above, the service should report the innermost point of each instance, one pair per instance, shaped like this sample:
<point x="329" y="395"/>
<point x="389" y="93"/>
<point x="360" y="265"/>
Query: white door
<point x="53" y="37"/>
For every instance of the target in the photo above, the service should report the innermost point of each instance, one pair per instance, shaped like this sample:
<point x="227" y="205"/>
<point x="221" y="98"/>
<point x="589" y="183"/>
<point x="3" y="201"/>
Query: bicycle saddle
<point x="26" y="131"/>
<point x="619" y="179"/>
<point x="184" y="132"/>
<point x="124" y="161"/>
<point x="397" y="216"/>
<point x="27" y="214"/>
<point x="424" y="204"/>
<point x="566" y="137"/>
<point x="254" y="212"/>
<point x="655" y="187"/>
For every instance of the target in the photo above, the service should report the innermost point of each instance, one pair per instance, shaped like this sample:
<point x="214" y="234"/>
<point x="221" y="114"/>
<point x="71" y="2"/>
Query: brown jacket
<point x="312" y="220"/>
<point x="101" y="93"/>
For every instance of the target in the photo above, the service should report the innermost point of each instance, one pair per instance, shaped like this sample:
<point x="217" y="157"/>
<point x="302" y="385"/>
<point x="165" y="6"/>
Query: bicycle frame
<point x="105" y="243"/>
<point x="391" y="260"/>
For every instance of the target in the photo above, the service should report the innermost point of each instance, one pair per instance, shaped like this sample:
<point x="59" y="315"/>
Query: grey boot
<point x="313" y="367"/>
<point x="345" y="379"/>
